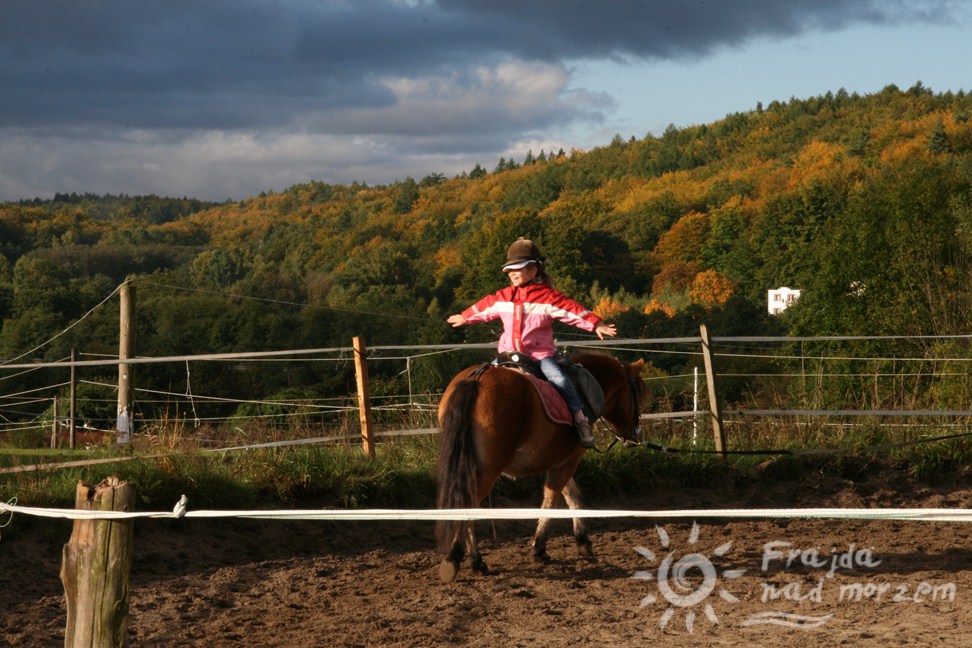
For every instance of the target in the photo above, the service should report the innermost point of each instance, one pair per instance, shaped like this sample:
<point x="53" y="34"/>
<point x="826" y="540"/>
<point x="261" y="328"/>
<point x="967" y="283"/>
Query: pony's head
<point x="624" y="392"/>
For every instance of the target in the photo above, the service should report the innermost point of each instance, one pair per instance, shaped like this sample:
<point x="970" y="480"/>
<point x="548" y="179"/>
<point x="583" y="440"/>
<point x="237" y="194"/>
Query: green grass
<point x="402" y="474"/>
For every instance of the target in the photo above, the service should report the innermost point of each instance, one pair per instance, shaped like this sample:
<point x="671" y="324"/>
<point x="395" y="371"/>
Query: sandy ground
<point x="714" y="583"/>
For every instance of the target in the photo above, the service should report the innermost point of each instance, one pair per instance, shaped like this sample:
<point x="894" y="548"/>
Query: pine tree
<point x="938" y="140"/>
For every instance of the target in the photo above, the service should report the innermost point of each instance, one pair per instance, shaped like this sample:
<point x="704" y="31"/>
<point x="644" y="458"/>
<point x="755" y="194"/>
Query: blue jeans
<point x="555" y="374"/>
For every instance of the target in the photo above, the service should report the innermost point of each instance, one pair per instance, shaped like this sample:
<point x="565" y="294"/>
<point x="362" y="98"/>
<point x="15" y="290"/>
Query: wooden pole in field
<point x="715" y="411"/>
<point x="54" y="426"/>
<point x="73" y="407"/>
<point x="126" y="349"/>
<point x="95" y="568"/>
<point x="364" y="397"/>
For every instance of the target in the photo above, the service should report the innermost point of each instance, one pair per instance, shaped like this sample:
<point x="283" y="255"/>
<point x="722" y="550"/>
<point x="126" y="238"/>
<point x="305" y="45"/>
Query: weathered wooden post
<point x="54" y="426"/>
<point x="715" y="410"/>
<point x="95" y="568"/>
<point x="73" y="407"/>
<point x="364" y="397"/>
<point x="126" y="349"/>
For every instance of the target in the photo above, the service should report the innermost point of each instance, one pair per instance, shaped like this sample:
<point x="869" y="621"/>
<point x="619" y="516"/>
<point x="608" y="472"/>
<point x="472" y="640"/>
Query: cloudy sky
<point x="222" y="99"/>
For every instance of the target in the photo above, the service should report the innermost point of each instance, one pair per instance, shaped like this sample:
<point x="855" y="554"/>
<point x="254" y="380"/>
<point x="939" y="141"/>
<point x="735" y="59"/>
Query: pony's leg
<point x="449" y="566"/>
<point x="475" y="558"/>
<point x="485" y="480"/>
<point x="551" y="497"/>
<point x="464" y="543"/>
<point x="573" y="496"/>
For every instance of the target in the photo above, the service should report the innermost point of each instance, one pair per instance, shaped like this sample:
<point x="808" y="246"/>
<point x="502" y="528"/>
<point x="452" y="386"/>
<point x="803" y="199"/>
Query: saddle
<point x="587" y="388"/>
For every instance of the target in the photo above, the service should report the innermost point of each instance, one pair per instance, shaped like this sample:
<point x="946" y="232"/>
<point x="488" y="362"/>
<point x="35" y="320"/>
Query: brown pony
<point x="492" y="422"/>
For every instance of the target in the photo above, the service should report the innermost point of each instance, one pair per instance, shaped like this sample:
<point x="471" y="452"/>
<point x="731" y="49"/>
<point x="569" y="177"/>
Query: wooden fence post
<point x="364" y="397"/>
<point x="95" y="568"/>
<point x="73" y="406"/>
<point x="54" y="426"/>
<point x="126" y="349"/>
<point x="715" y="411"/>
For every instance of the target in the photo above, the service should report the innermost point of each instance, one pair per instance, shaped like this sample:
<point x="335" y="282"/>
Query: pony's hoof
<point x="541" y="557"/>
<point x="480" y="566"/>
<point x="585" y="550"/>
<point x="447" y="571"/>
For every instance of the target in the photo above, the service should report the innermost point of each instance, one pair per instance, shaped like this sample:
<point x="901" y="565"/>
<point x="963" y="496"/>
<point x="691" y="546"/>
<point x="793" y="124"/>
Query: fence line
<point x="846" y="412"/>
<point x="871" y="514"/>
<point x="377" y="353"/>
<point x="619" y="344"/>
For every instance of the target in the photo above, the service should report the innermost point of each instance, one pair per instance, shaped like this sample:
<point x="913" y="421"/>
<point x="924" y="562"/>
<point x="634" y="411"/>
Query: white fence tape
<point x="918" y="514"/>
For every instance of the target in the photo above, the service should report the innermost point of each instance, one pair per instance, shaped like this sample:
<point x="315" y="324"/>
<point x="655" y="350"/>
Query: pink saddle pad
<point x="553" y="403"/>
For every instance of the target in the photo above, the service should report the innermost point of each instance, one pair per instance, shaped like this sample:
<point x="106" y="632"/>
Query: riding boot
<point x="583" y="429"/>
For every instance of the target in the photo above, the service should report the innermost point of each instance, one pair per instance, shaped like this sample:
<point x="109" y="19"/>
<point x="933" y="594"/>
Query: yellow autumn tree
<point x="815" y="162"/>
<point x="609" y="308"/>
<point x="670" y="287"/>
<point x="656" y="306"/>
<point x="710" y="288"/>
<point x="684" y="240"/>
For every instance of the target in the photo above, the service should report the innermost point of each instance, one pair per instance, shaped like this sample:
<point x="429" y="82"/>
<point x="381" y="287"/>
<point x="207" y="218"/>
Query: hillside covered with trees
<point x="863" y="202"/>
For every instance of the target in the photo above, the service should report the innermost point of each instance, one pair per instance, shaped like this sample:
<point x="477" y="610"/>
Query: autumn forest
<point x="862" y="202"/>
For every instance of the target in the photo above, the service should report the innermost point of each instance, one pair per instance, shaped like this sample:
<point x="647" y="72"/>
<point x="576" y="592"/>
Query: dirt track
<point x="374" y="584"/>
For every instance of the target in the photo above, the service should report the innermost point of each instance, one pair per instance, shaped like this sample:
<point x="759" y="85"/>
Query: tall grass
<point x="402" y="474"/>
<point x="324" y="475"/>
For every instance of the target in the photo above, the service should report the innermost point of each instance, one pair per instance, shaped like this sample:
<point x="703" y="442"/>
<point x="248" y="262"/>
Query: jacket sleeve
<point x="568" y="311"/>
<point x="484" y="310"/>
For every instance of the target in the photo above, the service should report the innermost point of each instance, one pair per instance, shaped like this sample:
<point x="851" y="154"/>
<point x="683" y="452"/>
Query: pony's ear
<point x="634" y="368"/>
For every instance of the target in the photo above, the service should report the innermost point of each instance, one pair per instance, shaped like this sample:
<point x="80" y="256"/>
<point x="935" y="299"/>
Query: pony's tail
<point x="456" y="468"/>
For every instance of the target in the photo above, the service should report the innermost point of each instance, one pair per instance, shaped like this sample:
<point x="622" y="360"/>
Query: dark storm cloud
<point x="248" y="64"/>
<point x="558" y="29"/>
<point x="219" y="98"/>
<point x="186" y="64"/>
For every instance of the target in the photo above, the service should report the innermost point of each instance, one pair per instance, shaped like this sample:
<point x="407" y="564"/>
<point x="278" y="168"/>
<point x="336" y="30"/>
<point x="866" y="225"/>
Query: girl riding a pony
<point x="528" y="308"/>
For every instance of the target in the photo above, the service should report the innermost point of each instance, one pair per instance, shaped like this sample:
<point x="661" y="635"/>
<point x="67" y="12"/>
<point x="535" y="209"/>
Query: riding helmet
<point x="521" y="254"/>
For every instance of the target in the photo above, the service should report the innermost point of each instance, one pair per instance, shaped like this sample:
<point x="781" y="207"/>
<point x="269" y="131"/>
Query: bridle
<point x="634" y="438"/>
<point x="635" y="407"/>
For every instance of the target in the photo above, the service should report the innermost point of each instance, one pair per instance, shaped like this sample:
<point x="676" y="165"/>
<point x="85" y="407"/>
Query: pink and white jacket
<point x="527" y="313"/>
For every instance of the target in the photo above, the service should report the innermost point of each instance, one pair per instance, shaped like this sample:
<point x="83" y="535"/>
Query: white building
<point x="779" y="300"/>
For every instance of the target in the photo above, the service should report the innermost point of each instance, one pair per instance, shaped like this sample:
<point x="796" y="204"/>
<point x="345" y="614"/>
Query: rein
<point x="478" y="372"/>
<point x="633" y="392"/>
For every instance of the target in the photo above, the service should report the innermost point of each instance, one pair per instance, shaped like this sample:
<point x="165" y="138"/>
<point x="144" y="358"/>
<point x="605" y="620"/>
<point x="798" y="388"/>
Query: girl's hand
<point x="608" y="330"/>
<point x="456" y="320"/>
